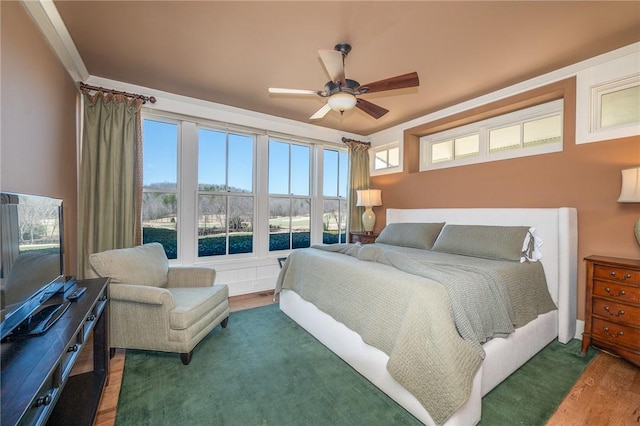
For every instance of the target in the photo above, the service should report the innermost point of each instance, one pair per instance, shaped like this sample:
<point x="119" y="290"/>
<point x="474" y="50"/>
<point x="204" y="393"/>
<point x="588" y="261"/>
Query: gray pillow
<point x="417" y="235"/>
<point x="491" y="242"/>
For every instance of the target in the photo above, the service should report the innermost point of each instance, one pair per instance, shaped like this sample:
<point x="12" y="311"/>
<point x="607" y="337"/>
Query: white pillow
<point x="533" y="253"/>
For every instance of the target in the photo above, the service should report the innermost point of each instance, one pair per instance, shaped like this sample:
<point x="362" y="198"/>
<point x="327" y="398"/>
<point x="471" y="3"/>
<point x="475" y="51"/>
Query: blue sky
<point x="160" y="161"/>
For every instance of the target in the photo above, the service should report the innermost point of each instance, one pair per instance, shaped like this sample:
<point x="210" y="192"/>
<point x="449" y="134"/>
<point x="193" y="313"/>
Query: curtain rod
<point x="118" y="92"/>
<point x="347" y="140"/>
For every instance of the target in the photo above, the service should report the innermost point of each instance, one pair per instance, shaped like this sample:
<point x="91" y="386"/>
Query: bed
<point x="557" y="228"/>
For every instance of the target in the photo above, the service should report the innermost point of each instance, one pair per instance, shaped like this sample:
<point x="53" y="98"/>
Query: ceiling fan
<point x="341" y="92"/>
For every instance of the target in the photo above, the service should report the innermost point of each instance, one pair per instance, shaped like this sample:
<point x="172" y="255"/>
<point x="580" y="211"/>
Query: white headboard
<point x="558" y="229"/>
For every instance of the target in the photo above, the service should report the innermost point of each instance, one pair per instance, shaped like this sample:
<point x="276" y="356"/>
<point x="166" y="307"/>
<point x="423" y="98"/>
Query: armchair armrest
<point x="141" y="294"/>
<point x="190" y="277"/>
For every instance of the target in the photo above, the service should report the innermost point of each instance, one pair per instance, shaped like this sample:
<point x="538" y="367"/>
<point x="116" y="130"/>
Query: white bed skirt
<point x="504" y="356"/>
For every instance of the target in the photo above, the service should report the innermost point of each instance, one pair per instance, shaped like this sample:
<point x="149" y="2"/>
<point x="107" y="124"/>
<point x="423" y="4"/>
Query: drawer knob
<point x="620" y="293"/>
<point x="73" y="348"/>
<point x="626" y="276"/>
<point x="617" y="314"/>
<point x="618" y="334"/>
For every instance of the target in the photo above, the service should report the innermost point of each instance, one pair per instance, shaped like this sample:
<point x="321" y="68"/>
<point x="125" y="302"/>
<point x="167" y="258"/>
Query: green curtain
<point x="358" y="179"/>
<point x="110" y="176"/>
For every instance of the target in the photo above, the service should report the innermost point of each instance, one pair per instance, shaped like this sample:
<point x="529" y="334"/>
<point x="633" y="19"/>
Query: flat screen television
<point x="31" y="258"/>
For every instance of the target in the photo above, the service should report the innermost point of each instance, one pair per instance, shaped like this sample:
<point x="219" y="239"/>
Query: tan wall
<point x="585" y="176"/>
<point x="38" y="110"/>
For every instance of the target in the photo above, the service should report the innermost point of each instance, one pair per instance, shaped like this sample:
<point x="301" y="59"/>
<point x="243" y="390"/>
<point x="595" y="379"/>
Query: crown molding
<point x="48" y="20"/>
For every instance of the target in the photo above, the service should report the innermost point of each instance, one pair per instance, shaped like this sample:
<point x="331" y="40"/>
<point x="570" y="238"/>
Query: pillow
<point x="417" y="235"/>
<point x="490" y="242"/>
<point x="142" y="265"/>
<point x="531" y="251"/>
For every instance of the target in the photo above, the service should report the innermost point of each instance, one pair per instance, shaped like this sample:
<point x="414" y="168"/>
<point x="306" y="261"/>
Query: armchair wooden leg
<point x="186" y="357"/>
<point x="225" y="322"/>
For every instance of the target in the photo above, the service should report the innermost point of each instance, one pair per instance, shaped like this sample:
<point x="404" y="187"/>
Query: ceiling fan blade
<point x="398" y="82"/>
<point x="292" y="91"/>
<point x="333" y="61"/>
<point x="321" y="112"/>
<point x="370" y="108"/>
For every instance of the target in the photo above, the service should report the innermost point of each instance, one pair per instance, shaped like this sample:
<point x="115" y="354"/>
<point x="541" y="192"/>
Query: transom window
<point x="386" y="158"/>
<point x="532" y="131"/>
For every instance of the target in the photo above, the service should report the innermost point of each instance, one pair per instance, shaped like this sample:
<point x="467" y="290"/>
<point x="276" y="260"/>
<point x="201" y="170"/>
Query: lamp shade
<point x="342" y="101"/>
<point x="630" y="192"/>
<point x="369" y="198"/>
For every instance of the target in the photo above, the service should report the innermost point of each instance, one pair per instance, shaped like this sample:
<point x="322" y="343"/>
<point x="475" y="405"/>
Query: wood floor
<point x="607" y="393"/>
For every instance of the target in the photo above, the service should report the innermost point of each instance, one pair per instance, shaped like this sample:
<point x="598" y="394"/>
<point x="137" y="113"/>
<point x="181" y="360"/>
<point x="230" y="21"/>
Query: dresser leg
<point x="586" y="341"/>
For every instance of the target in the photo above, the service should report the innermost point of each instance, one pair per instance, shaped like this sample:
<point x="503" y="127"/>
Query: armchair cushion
<point x="189" y="276"/>
<point x="142" y="265"/>
<point x="192" y="304"/>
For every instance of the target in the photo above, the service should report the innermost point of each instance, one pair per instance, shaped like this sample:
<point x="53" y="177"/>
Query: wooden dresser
<point x="612" y="320"/>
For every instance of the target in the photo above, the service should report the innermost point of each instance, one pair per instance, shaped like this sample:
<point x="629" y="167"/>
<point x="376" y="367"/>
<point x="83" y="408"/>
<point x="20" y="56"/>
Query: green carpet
<point x="266" y="370"/>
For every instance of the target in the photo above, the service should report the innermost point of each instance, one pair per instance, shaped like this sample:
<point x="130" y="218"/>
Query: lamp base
<point x="637" y="230"/>
<point x="368" y="219"/>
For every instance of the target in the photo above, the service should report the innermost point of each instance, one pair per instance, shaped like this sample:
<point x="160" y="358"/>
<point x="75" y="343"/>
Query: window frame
<point x="484" y="128"/>
<point x="374" y="150"/>
<point x="187" y="188"/>
<point x="227" y="193"/>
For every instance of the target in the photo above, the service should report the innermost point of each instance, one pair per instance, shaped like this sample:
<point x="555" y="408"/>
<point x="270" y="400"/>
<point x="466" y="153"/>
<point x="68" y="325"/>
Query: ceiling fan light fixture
<point x="342" y="101"/>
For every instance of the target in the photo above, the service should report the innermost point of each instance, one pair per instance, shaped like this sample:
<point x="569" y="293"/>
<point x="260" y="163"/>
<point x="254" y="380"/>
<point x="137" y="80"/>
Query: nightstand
<point x="363" y="237"/>
<point x="612" y="320"/>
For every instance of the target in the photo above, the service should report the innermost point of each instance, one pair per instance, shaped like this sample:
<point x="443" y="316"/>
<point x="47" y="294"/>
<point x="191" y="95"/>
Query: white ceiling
<point x="230" y="52"/>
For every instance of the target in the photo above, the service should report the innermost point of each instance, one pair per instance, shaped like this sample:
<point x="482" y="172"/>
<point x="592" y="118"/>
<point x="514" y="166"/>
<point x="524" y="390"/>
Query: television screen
<point x="31" y="255"/>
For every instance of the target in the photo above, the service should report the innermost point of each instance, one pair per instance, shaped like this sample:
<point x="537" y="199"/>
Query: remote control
<point x="75" y="295"/>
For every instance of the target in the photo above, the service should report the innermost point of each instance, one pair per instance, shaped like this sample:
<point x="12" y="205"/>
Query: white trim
<point x="397" y="132"/>
<point x="199" y="109"/>
<point x="483" y="129"/>
<point x="588" y="80"/>
<point x="47" y="18"/>
<point x="372" y="158"/>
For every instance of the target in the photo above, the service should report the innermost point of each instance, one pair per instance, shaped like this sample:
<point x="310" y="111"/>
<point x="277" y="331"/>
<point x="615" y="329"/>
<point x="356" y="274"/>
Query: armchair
<point x="157" y="307"/>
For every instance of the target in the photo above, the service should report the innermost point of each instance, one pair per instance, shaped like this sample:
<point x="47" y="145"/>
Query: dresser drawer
<point x="615" y="311"/>
<point x="616" y="274"/>
<point x="616" y="334"/>
<point x="616" y="291"/>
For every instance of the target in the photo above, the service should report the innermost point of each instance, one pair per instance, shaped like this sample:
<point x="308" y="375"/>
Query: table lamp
<point x="369" y="198"/>
<point x="630" y="192"/>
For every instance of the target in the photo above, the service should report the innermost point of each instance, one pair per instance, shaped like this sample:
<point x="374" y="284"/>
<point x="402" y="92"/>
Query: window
<point x="617" y="104"/>
<point x="289" y="195"/>
<point x="532" y="131"/>
<point x="160" y="185"/>
<point x="334" y="193"/>
<point x="213" y="193"/>
<point x="225" y="193"/>
<point x="386" y="158"/>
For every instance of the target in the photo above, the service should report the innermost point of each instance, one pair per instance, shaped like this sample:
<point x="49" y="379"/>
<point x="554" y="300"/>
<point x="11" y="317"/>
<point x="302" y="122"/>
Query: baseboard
<point x="579" y="329"/>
